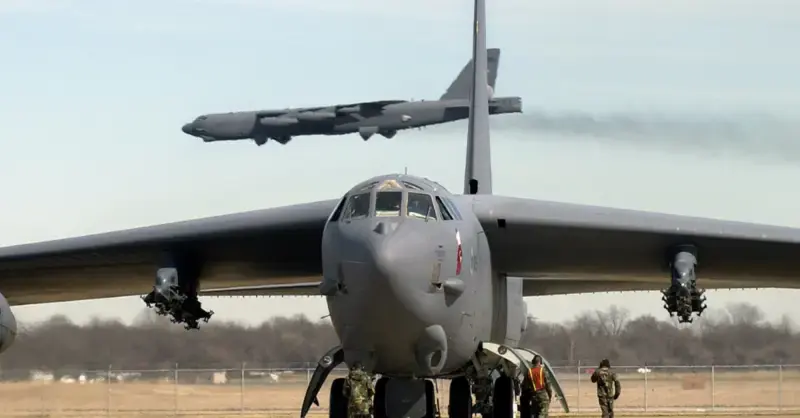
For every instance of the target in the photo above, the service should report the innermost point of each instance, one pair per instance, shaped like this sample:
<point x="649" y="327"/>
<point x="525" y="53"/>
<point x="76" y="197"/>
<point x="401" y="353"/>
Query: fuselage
<point x="391" y="118"/>
<point x="413" y="273"/>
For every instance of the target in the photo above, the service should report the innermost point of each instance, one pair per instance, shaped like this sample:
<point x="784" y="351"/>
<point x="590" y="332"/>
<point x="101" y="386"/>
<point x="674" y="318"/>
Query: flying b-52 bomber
<point x="383" y="117"/>
<point x="420" y="283"/>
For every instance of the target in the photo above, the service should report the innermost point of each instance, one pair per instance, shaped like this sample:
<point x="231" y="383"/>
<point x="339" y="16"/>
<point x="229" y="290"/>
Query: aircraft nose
<point x="187" y="128"/>
<point x="397" y="254"/>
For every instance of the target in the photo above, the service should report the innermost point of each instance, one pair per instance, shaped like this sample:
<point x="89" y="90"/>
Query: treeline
<point x="738" y="334"/>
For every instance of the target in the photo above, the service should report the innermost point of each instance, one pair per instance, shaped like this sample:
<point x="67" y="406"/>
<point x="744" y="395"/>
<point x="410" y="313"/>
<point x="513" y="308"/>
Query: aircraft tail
<point x="460" y="87"/>
<point x="478" y="167"/>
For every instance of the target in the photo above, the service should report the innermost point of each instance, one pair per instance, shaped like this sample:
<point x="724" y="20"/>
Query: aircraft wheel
<point x="503" y="398"/>
<point x="460" y="402"/>
<point x="379" y="403"/>
<point x="525" y="404"/>
<point x="338" y="402"/>
<point x="430" y="399"/>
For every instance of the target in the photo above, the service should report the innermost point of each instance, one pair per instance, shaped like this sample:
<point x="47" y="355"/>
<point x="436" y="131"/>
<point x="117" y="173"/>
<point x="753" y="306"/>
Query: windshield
<point x="420" y="206"/>
<point x="357" y="206"/>
<point x="388" y="203"/>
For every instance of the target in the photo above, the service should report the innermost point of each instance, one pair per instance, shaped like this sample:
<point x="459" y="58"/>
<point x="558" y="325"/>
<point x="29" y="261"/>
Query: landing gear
<point x="338" y="402"/>
<point x="404" y="398"/>
<point x="683" y="297"/>
<point x="503" y="398"/>
<point x="460" y="405"/>
<point x="174" y="294"/>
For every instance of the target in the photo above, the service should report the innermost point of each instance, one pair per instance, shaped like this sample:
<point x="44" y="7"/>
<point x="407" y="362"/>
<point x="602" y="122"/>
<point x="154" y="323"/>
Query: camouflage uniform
<point x="359" y="390"/>
<point x="483" y="395"/>
<point x="540" y="399"/>
<point x="608" y="390"/>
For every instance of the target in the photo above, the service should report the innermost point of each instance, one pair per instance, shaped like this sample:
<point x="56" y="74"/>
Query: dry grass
<point x="672" y="393"/>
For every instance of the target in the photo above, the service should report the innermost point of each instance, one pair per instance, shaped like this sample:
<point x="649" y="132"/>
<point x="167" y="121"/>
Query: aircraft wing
<point x="370" y="107"/>
<point x="277" y="247"/>
<point x="568" y="248"/>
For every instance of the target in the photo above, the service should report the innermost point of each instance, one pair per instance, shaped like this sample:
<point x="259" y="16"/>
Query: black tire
<point x="338" y="402"/>
<point x="379" y="403"/>
<point x="430" y="399"/>
<point x="503" y="399"/>
<point x="525" y="405"/>
<point x="460" y="402"/>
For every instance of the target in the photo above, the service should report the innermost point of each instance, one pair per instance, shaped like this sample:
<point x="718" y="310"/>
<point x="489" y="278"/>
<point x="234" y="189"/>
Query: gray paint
<point x="392" y="283"/>
<point x="385" y="117"/>
<point x="478" y="167"/>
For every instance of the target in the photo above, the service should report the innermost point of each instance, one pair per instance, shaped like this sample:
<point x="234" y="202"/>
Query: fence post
<point x="41" y="394"/>
<point x="646" y="370"/>
<point x="780" y="387"/>
<point x="578" y="402"/>
<point x="308" y="373"/>
<point x="108" y="391"/>
<point x="175" y="390"/>
<point x="241" y="391"/>
<point x="713" y="391"/>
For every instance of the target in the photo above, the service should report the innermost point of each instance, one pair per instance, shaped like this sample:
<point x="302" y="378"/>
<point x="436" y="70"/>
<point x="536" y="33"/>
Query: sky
<point x="681" y="107"/>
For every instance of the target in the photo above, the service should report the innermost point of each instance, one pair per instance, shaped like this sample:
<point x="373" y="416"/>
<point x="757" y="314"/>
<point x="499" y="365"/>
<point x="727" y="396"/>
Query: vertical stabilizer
<point x="478" y="169"/>
<point x="462" y="84"/>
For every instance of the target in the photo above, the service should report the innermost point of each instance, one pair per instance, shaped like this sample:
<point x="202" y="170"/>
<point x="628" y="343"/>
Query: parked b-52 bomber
<point x="420" y="283"/>
<point x="384" y="117"/>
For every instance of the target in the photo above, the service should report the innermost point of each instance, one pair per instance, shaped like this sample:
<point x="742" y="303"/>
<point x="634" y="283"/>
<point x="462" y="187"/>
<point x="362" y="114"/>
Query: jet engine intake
<point x="683" y="297"/>
<point x="8" y="325"/>
<point x="176" y="296"/>
<point x="366" y="132"/>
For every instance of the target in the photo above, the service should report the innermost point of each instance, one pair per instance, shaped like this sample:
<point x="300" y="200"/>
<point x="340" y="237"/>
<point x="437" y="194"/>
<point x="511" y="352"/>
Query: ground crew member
<point x="541" y="393"/>
<point x="359" y="390"/>
<point x="608" y="388"/>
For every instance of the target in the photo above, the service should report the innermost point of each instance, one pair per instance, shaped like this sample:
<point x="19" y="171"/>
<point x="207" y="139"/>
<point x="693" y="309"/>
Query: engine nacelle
<point x="174" y="292"/>
<point x="389" y="134"/>
<point x="8" y="325"/>
<point x="367" y="132"/>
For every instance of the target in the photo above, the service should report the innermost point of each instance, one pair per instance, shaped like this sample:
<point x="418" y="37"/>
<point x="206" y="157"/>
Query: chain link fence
<point x="280" y="390"/>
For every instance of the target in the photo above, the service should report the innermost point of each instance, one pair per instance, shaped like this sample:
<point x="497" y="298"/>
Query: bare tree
<point x="738" y="334"/>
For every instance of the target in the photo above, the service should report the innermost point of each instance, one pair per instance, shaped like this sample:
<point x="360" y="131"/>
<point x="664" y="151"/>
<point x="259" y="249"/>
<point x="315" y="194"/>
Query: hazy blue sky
<point x="93" y="95"/>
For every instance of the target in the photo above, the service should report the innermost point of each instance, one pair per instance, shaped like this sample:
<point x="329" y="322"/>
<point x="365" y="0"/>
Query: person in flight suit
<point x="539" y="389"/>
<point x="359" y="391"/>
<point x="608" y="388"/>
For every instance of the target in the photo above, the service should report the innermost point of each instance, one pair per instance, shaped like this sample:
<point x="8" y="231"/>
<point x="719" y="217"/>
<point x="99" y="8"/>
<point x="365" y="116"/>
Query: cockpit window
<point x="411" y="185"/>
<point x="202" y="117"/>
<point x="446" y="216"/>
<point x="368" y="186"/>
<point x="420" y="206"/>
<point x="357" y="206"/>
<point x="337" y="213"/>
<point x="453" y="208"/>
<point x="388" y="203"/>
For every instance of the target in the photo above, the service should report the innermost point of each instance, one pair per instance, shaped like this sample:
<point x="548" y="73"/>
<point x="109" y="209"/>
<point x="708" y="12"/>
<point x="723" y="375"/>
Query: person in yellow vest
<point x="541" y="393"/>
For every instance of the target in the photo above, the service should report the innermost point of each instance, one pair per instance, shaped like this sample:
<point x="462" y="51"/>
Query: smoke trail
<point x="759" y="136"/>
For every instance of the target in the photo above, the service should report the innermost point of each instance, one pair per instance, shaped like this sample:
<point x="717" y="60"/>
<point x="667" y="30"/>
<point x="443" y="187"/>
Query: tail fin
<point x="459" y="88"/>
<point x="478" y="168"/>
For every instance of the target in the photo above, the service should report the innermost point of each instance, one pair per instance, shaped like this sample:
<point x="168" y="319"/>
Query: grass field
<point x="685" y="393"/>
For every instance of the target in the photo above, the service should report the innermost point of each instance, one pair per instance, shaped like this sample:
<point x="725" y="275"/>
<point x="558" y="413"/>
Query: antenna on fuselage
<point x="405" y="171"/>
<point x="478" y="167"/>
